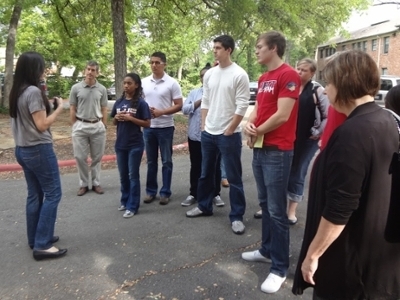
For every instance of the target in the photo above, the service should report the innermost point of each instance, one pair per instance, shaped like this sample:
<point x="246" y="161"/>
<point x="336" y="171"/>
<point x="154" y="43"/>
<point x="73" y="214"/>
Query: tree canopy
<point x="71" y="32"/>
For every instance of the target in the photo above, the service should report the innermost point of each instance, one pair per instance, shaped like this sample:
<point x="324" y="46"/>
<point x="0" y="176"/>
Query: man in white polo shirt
<point x="226" y="95"/>
<point x="164" y="97"/>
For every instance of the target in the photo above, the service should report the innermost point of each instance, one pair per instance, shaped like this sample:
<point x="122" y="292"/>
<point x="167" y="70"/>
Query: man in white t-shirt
<point x="164" y="96"/>
<point x="225" y="100"/>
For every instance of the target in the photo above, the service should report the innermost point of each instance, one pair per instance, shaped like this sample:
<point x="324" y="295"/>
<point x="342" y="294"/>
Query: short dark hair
<point x="160" y="55"/>
<point x="392" y="99"/>
<point x="226" y="41"/>
<point x="28" y="71"/>
<point x="206" y="67"/>
<point x="354" y="74"/>
<point x="274" y="38"/>
<point x="93" y="63"/>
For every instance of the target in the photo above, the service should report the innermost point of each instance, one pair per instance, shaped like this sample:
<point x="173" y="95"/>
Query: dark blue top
<point x="129" y="134"/>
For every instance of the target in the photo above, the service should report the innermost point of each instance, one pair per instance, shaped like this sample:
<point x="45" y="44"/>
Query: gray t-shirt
<point x="23" y="127"/>
<point x="88" y="100"/>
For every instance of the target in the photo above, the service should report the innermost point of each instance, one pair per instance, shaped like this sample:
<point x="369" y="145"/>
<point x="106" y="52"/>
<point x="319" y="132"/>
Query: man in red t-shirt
<point x="274" y="118"/>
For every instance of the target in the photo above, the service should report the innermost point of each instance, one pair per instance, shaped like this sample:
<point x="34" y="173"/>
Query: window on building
<point x="384" y="71"/>
<point x="359" y="45"/>
<point x="386" y="44"/>
<point x="333" y="50"/>
<point x="353" y="45"/>
<point x="321" y="54"/>
<point x="364" y="48"/>
<point x="343" y="47"/>
<point x="374" y="44"/>
<point x="326" y="52"/>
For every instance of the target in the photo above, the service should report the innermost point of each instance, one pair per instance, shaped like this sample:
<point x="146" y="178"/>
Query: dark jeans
<point x="159" y="138"/>
<point x="44" y="192"/>
<point x="303" y="154"/>
<point x="230" y="147"/>
<point x="128" y="162"/>
<point x="271" y="171"/>
<point x="195" y="168"/>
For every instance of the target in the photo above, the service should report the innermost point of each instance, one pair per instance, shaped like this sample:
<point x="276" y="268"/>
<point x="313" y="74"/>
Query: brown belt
<point x="87" y="121"/>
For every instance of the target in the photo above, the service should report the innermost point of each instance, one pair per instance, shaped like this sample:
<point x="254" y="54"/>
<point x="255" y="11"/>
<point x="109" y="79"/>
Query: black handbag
<point x="392" y="229"/>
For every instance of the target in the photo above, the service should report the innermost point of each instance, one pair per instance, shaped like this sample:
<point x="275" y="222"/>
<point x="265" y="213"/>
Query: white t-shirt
<point x="160" y="93"/>
<point x="226" y="92"/>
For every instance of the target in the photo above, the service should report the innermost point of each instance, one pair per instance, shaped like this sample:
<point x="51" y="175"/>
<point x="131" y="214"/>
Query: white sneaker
<point x="218" y="201"/>
<point x="272" y="284"/>
<point x="128" y="214"/>
<point x="255" y="256"/>
<point x="188" y="201"/>
<point x="121" y="208"/>
<point x="238" y="227"/>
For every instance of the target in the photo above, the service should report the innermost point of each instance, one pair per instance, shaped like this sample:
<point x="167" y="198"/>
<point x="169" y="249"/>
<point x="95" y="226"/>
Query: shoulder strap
<point x="318" y="102"/>
<point x="397" y="119"/>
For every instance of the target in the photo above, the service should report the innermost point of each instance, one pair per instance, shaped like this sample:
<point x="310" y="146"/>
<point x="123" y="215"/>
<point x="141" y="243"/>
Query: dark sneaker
<point x="149" y="199"/>
<point x="164" y="200"/>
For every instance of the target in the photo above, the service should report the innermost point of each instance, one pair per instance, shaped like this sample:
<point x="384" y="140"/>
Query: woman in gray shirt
<point x="31" y="120"/>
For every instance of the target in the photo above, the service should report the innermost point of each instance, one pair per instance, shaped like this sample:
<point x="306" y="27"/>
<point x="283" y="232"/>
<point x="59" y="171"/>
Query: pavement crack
<point x="132" y="283"/>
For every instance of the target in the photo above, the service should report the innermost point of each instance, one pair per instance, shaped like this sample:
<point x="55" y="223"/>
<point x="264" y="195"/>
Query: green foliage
<point x="4" y="110"/>
<point x="71" y="32"/>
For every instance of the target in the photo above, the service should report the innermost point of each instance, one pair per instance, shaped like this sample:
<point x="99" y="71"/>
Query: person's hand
<point x="308" y="268"/>
<point x="59" y="101"/>
<point x="121" y="116"/>
<point x="155" y="113"/>
<point x="228" y="132"/>
<point x="250" y="129"/>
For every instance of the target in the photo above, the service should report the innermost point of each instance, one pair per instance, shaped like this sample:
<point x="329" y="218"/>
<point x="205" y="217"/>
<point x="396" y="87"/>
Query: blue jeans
<point x="230" y="148"/>
<point x="154" y="139"/>
<point x="128" y="162"/>
<point x="303" y="154"/>
<point x="271" y="171"/>
<point x="44" y="192"/>
<point x="223" y="171"/>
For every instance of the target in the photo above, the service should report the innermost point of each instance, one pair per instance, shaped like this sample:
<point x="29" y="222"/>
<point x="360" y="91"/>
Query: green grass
<point x="180" y="119"/>
<point x="4" y="110"/>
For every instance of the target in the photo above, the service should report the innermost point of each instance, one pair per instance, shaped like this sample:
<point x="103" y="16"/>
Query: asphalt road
<point x="157" y="254"/>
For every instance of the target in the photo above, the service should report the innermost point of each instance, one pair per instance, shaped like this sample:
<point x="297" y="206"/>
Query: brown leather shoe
<point x="224" y="183"/>
<point x="83" y="190"/>
<point x="149" y="199"/>
<point x="164" y="200"/>
<point x="97" y="189"/>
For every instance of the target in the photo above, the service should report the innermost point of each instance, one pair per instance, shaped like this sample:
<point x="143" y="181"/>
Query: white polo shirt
<point x="160" y="93"/>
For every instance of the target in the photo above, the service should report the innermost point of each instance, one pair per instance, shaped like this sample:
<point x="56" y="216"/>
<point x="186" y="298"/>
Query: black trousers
<point x="195" y="168"/>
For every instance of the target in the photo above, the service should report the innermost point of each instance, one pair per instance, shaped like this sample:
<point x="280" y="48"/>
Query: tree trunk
<point x="10" y="50"/>
<point x="120" y="40"/>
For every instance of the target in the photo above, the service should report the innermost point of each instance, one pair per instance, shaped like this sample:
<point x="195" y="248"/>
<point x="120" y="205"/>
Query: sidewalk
<point x="157" y="254"/>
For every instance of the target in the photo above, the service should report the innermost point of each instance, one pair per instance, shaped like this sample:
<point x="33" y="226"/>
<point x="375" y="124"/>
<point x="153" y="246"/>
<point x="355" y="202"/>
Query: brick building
<point x="380" y="40"/>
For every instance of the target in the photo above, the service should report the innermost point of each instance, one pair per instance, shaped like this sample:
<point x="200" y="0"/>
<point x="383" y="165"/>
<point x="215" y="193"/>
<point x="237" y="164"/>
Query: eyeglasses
<point x="157" y="63"/>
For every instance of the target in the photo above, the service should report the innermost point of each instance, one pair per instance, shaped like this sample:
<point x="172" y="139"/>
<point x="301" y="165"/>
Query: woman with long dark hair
<point x="31" y="121"/>
<point x="130" y="113"/>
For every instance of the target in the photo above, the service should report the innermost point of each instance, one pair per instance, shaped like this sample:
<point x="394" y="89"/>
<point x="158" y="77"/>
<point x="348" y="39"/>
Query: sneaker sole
<point x="127" y="217"/>
<point x="185" y="204"/>
<point x="201" y="215"/>
<point x="219" y="205"/>
<point x="149" y="200"/>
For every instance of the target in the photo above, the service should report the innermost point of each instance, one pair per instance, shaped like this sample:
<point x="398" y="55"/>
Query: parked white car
<point x="387" y="82"/>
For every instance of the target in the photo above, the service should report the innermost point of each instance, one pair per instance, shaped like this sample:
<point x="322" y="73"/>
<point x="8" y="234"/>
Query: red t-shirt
<point x="283" y="82"/>
<point x="335" y="119"/>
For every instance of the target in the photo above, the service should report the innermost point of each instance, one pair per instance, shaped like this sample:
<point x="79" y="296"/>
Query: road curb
<point x="72" y="162"/>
